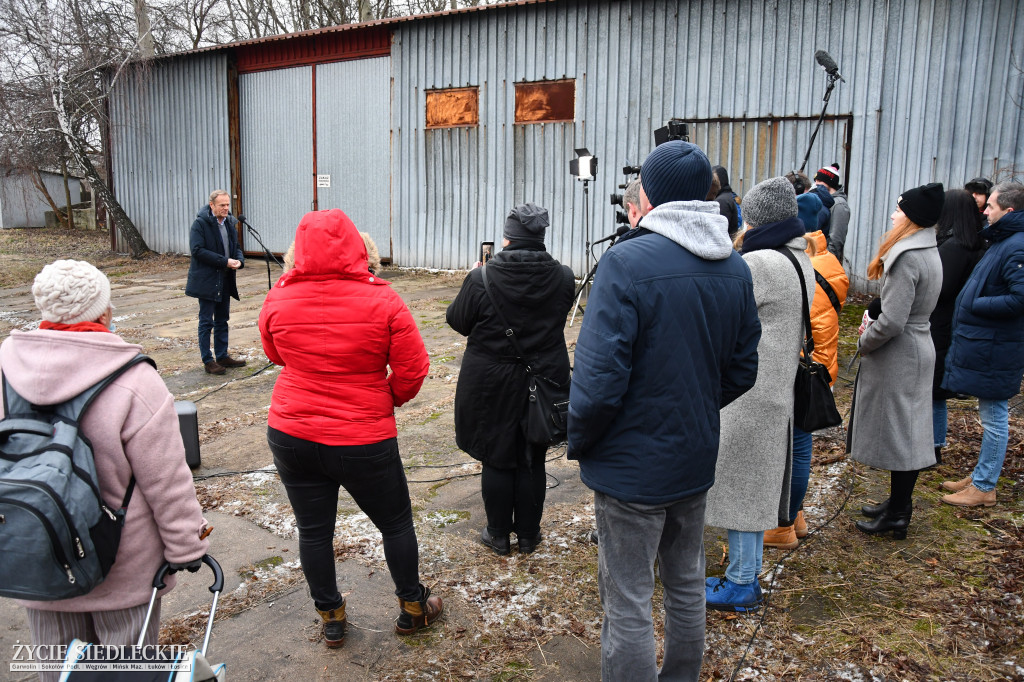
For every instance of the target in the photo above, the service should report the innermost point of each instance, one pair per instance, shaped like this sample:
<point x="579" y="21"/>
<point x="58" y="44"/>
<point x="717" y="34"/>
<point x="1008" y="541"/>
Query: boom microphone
<point x="241" y="218"/>
<point x="831" y="68"/>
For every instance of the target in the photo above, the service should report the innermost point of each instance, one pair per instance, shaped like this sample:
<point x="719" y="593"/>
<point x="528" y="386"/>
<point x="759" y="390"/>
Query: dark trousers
<point x="514" y="498"/>
<point x="214" y="315"/>
<point x="901" y="488"/>
<point x="372" y="474"/>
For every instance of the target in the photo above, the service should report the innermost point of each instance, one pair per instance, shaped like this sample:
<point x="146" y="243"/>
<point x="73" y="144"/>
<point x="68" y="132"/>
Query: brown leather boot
<point x="783" y="537"/>
<point x="213" y="367"/>
<point x="228" y="361"/>
<point x="800" y="525"/>
<point x="418" y="614"/>
<point x="334" y="626"/>
<point x="956" y="486"/>
<point x="971" y="497"/>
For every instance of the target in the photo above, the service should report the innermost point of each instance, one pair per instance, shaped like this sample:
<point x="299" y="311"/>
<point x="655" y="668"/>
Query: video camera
<point x="616" y="198"/>
<point x="674" y="129"/>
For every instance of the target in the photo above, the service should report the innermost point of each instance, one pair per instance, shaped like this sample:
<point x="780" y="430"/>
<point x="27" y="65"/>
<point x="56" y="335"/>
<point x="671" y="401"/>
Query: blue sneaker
<point x="728" y="596"/>
<point x="713" y="580"/>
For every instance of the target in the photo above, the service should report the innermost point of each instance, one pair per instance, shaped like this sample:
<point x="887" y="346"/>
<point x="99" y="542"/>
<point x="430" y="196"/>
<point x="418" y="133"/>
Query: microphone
<point x="831" y="68"/>
<point x="622" y="229"/>
<point x="241" y="218"/>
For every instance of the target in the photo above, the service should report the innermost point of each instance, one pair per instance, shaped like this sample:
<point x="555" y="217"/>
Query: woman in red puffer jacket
<point x="337" y="329"/>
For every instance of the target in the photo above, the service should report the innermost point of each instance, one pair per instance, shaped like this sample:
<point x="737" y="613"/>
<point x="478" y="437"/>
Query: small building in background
<point x="22" y="204"/>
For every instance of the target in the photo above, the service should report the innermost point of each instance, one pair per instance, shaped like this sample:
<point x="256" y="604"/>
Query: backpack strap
<point x="829" y="291"/>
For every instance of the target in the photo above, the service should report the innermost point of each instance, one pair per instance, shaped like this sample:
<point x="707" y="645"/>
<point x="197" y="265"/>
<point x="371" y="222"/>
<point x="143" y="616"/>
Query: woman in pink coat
<point x="134" y="432"/>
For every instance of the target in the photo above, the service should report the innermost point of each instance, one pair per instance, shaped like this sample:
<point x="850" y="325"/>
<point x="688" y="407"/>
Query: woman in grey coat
<point x="891" y="426"/>
<point x="752" y="476"/>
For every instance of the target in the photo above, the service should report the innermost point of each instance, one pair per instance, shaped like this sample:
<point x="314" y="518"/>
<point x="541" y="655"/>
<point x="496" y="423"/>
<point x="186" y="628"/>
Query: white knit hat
<point x="70" y="291"/>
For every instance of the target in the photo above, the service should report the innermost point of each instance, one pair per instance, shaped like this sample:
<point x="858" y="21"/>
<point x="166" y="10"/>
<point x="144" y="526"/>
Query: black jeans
<point x="372" y="474"/>
<point x="514" y="498"/>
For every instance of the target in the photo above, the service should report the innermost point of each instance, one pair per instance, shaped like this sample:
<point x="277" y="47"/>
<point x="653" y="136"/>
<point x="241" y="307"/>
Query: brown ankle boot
<point x="971" y="497"/>
<point x="800" y="526"/>
<point x="334" y="626"/>
<point x="957" y="486"/>
<point x="418" y="614"/>
<point x="783" y="537"/>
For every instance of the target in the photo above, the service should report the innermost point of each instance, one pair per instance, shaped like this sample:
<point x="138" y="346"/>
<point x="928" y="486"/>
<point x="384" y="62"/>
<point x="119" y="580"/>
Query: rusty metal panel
<point x="545" y="101"/>
<point x="353" y="133"/>
<point x="276" y="123"/>
<point x="453" y="107"/>
<point x="169" y="145"/>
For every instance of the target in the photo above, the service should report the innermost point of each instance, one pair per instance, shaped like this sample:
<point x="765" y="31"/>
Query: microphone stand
<point x="256" y="235"/>
<point x="832" y="78"/>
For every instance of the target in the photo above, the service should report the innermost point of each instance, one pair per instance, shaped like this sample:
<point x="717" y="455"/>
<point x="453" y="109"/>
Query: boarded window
<point x="453" y="107"/>
<point x="545" y="101"/>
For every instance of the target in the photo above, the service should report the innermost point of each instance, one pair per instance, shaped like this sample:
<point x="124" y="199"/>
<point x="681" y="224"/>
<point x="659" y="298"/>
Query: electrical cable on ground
<point x="775" y="574"/>
<point x="231" y="381"/>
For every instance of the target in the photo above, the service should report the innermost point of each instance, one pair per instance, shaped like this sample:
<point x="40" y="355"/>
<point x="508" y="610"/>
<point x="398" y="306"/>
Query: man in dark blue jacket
<point x="669" y="338"/>
<point x="216" y="255"/>
<point x="986" y="356"/>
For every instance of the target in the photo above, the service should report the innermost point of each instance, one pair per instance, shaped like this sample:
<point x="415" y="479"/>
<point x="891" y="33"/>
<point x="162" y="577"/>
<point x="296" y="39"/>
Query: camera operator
<point x="631" y="202"/>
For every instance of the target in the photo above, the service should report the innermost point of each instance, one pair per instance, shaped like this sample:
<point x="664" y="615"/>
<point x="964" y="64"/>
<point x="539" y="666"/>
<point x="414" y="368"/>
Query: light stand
<point x="584" y="168"/>
<point x="832" y="78"/>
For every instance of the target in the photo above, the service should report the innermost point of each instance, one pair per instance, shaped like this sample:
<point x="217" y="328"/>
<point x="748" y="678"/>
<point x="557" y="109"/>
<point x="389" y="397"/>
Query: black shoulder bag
<point x="814" y="406"/>
<point x="547" y="407"/>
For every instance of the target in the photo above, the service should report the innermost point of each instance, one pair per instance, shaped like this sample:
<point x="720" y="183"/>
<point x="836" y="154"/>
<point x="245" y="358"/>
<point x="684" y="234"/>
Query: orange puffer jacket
<point x="824" y="318"/>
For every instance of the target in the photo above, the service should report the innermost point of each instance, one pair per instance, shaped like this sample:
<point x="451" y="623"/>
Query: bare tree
<point x="58" y="61"/>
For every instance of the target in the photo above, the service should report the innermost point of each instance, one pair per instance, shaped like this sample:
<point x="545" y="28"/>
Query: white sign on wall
<point x="323" y="181"/>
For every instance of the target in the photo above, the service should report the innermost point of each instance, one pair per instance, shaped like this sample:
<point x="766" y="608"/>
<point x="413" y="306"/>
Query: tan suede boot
<point x="334" y="626"/>
<point x="971" y="497"/>
<point x="418" y="614"/>
<point x="957" y="486"/>
<point x="800" y="526"/>
<point x="783" y="537"/>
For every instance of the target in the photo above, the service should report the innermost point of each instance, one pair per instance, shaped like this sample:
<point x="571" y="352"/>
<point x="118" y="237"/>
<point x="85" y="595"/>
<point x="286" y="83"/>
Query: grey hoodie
<point x="696" y="226"/>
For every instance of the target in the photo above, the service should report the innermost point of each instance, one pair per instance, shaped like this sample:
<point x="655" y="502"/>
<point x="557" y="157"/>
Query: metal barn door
<point x="276" y="130"/>
<point x="353" y="144"/>
<point x="753" y="150"/>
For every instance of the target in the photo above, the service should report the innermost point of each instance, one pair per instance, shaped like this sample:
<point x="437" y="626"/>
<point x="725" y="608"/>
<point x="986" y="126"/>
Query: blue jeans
<point x="373" y="475"/>
<point x="745" y="551"/>
<point x="803" y="447"/>
<point x="995" y="424"/>
<point x="939" y="423"/>
<point x="632" y="537"/>
<point x="214" y="315"/>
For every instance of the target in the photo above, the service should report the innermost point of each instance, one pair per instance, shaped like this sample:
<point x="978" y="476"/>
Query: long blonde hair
<point x="889" y="239"/>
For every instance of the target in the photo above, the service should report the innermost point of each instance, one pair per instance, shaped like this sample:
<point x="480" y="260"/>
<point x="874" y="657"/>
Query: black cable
<point x="231" y="381"/>
<point x="775" y="574"/>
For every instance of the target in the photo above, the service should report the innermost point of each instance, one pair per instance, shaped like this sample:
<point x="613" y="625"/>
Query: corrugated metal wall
<point x="353" y="133"/>
<point x="169" y="144"/>
<point x="927" y="88"/>
<point x="276" y="131"/>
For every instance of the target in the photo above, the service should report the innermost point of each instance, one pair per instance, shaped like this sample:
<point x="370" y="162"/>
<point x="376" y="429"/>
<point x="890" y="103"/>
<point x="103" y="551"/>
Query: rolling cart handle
<point x="216" y="587"/>
<point x="218" y="574"/>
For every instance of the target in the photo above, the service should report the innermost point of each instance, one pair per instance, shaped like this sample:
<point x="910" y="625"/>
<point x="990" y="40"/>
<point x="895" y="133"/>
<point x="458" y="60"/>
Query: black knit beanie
<point x="526" y="223"/>
<point x="923" y="204"/>
<point x="675" y="171"/>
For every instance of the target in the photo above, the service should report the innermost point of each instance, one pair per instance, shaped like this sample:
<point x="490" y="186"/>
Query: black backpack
<point x="58" y="538"/>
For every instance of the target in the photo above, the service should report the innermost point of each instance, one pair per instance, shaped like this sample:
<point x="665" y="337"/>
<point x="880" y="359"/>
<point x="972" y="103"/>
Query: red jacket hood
<point x="328" y="246"/>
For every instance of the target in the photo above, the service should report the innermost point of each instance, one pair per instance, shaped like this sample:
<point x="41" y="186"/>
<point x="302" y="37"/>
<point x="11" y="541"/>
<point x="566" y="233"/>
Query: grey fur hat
<point x="770" y="201"/>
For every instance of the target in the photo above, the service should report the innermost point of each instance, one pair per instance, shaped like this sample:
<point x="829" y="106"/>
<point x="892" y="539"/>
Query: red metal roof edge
<point x="352" y="27"/>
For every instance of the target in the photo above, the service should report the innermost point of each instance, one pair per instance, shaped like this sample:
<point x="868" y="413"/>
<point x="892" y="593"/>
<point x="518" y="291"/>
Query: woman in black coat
<point x="960" y="249"/>
<point x="535" y="294"/>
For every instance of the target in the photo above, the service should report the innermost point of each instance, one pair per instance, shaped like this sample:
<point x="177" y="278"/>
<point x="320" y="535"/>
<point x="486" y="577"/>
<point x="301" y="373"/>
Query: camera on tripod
<point x="616" y="199"/>
<point x="674" y="129"/>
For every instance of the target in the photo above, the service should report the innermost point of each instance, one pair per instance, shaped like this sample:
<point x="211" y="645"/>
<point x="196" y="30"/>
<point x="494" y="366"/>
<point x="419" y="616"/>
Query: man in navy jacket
<point x="986" y="356"/>
<point x="669" y="337"/>
<point x="216" y="255"/>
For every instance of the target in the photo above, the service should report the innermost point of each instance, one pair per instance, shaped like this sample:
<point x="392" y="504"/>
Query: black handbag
<point x="814" y="406"/>
<point x="547" y="407"/>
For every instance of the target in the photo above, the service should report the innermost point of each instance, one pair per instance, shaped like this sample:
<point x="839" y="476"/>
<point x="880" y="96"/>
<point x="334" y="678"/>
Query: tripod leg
<point x="579" y="293"/>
